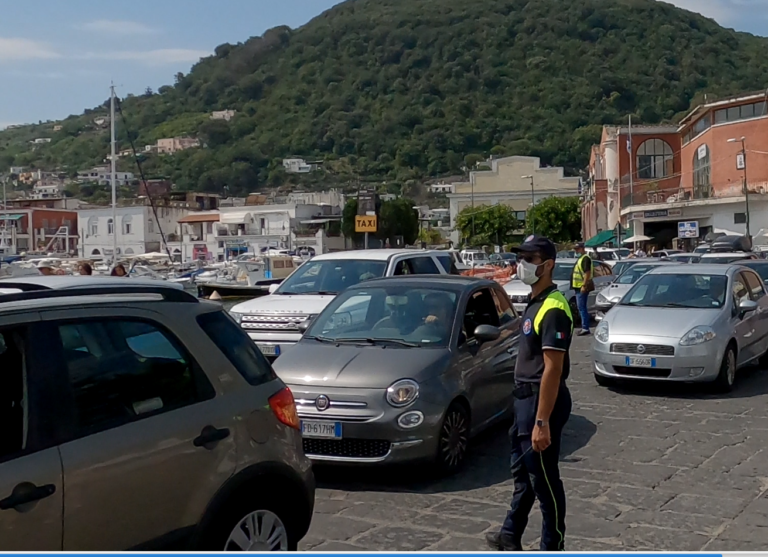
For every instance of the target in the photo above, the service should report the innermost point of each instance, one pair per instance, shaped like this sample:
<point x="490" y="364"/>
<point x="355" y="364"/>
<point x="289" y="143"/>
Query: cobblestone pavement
<point x="645" y="468"/>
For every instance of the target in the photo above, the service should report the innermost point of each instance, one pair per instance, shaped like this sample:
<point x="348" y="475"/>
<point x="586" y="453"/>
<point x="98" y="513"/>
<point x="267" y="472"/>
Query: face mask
<point x="527" y="272"/>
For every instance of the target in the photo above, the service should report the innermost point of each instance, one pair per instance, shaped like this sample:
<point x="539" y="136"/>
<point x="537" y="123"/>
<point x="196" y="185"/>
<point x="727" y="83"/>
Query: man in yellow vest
<point x="542" y="403"/>
<point x="581" y="281"/>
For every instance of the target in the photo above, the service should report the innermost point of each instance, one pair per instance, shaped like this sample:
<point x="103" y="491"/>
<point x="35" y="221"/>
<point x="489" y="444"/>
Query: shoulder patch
<point x="529" y="238"/>
<point x="527" y="326"/>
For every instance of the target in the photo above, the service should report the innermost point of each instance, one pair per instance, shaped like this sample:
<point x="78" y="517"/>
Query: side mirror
<point x="486" y="333"/>
<point x="273" y="288"/>
<point x="747" y="306"/>
<point x="304" y="325"/>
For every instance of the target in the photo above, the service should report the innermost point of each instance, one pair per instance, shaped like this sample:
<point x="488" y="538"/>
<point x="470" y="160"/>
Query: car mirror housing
<point x="273" y="288"/>
<point x="746" y="306"/>
<point x="487" y="333"/>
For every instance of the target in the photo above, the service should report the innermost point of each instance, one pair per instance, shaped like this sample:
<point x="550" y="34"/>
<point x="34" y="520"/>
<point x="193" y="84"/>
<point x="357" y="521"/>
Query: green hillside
<point x="403" y="89"/>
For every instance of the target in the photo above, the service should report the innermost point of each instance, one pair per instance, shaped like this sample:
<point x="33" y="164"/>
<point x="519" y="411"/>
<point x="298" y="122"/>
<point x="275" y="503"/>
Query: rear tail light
<point x="284" y="408"/>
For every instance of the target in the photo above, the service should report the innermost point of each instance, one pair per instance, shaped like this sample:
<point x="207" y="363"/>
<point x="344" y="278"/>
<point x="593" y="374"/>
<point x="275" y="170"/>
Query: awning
<point x="199" y="217"/>
<point x="3" y="216"/>
<point x="606" y="236"/>
<point x="235" y="217"/>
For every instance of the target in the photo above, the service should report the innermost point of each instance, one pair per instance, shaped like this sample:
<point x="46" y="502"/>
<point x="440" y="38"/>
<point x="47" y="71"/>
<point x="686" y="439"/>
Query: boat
<point x="247" y="279"/>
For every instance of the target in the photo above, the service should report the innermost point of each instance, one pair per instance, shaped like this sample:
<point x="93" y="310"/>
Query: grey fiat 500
<point x="404" y="368"/>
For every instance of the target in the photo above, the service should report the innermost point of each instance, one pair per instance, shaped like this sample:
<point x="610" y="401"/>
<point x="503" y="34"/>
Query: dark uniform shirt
<point x="554" y="333"/>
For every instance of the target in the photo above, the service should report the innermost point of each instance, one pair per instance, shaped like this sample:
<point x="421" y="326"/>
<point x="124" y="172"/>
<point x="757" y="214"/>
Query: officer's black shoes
<point x="499" y="542"/>
<point x="583" y="333"/>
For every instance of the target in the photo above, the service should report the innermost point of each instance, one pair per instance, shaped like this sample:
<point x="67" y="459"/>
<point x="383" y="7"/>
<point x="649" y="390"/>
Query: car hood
<point x="615" y="290"/>
<point x="657" y="322"/>
<point x="373" y="367"/>
<point x="276" y="303"/>
<point x="519" y="288"/>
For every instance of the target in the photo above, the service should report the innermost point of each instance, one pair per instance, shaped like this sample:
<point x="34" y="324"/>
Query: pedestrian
<point x="45" y="268"/>
<point x="118" y="271"/>
<point x="542" y="403"/>
<point x="581" y="282"/>
<point x="640" y="252"/>
<point x="85" y="269"/>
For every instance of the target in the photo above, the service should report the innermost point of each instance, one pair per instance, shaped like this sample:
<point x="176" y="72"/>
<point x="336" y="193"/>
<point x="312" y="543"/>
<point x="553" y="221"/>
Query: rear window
<point x="237" y="347"/>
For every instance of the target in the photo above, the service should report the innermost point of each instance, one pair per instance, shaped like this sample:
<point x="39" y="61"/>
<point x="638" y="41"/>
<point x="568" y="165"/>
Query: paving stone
<point x="461" y="507"/>
<point x="395" y="538"/>
<point x="700" y="524"/>
<point x="461" y="543"/>
<point x="741" y="531"/>
<point x="336" y="546"/>
<point x="331" y="506"/>
<point x="329" y="527"/>
<point x="662" y="539"/>
<point x="704" y="505"/>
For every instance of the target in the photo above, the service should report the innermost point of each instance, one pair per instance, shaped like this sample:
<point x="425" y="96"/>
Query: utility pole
<point x="113" y="160"/>
<point x="631" y="166"/>
<point x="533" y="202"/>
<point x="742" y="165"/>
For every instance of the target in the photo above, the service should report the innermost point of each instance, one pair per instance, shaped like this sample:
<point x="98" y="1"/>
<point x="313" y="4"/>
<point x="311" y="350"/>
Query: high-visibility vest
<point x="555" y="300"/>
<point x="578" y="273"/>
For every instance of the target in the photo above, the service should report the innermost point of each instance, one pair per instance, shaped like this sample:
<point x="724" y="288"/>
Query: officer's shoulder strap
<point x="554" y="300"/>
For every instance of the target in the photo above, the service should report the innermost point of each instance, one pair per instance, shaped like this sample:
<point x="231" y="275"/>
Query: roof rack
<point x="36" y="292"/>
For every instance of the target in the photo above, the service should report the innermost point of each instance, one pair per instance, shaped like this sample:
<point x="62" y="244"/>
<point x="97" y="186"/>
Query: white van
<point x="273" y="321"/>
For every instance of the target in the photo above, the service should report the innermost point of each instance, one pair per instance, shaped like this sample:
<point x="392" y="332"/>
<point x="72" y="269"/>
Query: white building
<point x="298" y="166"/>
<point x="47" y="189"/>
<point x="223" y="115"/>
<point x="441" y="188"/>
<point x="102" y="175"/>
<point x="41" y="140"/>
<point x="195" y="238"/>
<point x="137" y="230"/>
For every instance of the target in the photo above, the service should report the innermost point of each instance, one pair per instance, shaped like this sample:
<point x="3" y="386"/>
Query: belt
<point x="525" y="390"/>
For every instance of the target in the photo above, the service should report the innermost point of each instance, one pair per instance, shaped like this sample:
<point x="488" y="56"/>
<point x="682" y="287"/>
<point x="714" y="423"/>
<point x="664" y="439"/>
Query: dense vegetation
<point x="396" y="90"/>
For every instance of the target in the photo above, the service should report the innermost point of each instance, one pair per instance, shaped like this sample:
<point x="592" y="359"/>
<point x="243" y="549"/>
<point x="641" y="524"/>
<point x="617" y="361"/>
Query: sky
<point x="58" y="57"/>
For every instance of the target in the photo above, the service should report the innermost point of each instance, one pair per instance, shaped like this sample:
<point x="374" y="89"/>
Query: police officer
<point x="581" y="279"/>
<point x="542" y="403"/>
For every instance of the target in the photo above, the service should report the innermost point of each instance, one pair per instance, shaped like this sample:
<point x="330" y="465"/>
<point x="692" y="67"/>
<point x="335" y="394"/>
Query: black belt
<point x="525" y="390"/>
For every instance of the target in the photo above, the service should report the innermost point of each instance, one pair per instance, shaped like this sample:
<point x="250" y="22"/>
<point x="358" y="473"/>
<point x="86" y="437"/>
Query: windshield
<point x="677" y="291"/>
<point x="330" y="276"/>
<point x="398" y="315"/>
<point x="633" y="274"/>
<point x="701" y="249"/>
<point x="563" y="271"/>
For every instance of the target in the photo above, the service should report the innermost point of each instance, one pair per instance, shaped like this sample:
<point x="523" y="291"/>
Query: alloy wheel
<point x="260" y="530"/>
<point x="453" y="438"/>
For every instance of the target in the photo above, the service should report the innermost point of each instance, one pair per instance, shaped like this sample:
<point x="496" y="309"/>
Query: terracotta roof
<point x="200" y="217"/>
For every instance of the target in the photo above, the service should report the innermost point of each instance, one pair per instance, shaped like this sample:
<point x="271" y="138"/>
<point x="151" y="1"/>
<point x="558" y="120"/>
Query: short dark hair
<point x="87" y="268"/>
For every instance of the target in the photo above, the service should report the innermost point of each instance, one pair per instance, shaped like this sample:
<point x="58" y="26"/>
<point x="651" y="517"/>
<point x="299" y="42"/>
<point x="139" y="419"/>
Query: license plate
<point x="632" y="361"/>
<point x="321" y="430"/>
<point x="269" y="349"/>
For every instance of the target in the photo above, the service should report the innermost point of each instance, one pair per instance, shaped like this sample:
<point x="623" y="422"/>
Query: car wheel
<point x="453" y="439"/>
<point x="727" y="376"/>
<point x="253" y="523"/>
<point x="604" y="381"/>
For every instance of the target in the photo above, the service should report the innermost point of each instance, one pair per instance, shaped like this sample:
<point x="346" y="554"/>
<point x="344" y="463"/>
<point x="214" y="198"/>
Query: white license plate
<point x="321" y="430"/>
<point x="269" y="349"/>
<point x="633" y="361"/>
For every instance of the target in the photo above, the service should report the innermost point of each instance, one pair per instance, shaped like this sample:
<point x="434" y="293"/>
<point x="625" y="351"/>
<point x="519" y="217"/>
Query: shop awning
<point x="199" y="217"/>
<point x="606" y="236"/>
<point x="235" y="217"/>
<point x="3" y="216"/>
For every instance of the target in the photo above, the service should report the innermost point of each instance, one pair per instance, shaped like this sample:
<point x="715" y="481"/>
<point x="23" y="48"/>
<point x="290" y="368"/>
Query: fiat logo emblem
<point x="322" y="402"/>
<point x="640" y="349"/>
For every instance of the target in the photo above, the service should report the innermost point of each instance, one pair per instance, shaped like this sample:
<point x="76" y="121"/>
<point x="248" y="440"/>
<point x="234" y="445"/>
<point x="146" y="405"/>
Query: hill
<point x="402" y="89"/>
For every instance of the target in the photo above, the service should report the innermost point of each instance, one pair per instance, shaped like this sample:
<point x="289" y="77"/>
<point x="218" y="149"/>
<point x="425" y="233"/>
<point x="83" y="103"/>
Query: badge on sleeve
<point x="527" y="326"/>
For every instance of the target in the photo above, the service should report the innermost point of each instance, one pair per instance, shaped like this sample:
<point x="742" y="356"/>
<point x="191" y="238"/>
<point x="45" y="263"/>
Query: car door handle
<point x="749" y="334"/>
<point x="210" y="435"/>
<point x="26" y="492"/>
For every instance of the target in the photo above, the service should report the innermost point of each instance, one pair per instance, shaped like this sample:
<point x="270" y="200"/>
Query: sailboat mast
<point x="113" y="160"/>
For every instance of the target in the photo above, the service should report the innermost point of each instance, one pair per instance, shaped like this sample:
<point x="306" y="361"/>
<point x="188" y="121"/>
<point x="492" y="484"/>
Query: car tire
<point x="604" y="381"/>
<point x="453" y="439"/>
<point x="727" y="376"/>
<point x="253" y="521"/>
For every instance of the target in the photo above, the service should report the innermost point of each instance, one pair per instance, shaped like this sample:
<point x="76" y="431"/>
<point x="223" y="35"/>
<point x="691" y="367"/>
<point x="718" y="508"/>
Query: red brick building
<point x="34" y="230"/>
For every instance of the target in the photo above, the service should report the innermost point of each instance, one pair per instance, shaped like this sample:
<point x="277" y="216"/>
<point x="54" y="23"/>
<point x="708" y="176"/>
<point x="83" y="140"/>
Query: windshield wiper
<point x="319" y="293"/>
<point x="323" y="339"/>
<point x="369" y="340"/>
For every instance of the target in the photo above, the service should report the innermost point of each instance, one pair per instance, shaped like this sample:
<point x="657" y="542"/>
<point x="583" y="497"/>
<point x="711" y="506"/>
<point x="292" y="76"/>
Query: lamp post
<point x="533" y="202"/>
<point x="742" y="165"/>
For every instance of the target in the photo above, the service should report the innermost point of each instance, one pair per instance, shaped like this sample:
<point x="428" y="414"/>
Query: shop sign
<point x="688" y="229"/>
<point x="655" y="214"/>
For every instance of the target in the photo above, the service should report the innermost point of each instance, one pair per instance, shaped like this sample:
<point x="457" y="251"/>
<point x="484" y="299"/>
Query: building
<point x="441" y="188"/>
<point x="16" y="170"/>
<point x="713" y="173"/>
<point x="195" y="238"/>
<point x="40" y="230"/>
<point x="102" y="175"/>
<point x="58" y="128"/>
<point x="298" y="166"/>
<point x="223" y="115"/>
<point x="171" y="145"/>
<point x="48" y="189"/>
<point x="513" y="181"/>
<point x="41" y="140"/>
<point x="623" y="171"/>
<point x="156" y="188"/>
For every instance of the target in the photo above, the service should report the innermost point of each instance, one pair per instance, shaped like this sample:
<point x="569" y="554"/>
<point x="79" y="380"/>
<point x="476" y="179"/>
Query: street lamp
<point x="533" y="202"/>
<point x="742" y="165"/>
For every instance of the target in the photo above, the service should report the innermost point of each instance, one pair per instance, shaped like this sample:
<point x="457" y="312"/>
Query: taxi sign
<point x="365" y="223"/>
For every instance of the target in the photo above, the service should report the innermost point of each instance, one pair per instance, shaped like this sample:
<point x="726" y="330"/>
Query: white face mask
<point x="527" y="272"/>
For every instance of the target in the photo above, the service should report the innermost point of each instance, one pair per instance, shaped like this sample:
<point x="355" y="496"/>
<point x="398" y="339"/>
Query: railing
<point x="679" y="195"/>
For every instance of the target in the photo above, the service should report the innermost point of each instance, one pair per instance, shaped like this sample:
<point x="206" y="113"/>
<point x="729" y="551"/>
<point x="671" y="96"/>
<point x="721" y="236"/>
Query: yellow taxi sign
<point x="365" y="223"/>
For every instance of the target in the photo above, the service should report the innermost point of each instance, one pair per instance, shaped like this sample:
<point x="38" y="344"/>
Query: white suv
<point x="273" y="321"/>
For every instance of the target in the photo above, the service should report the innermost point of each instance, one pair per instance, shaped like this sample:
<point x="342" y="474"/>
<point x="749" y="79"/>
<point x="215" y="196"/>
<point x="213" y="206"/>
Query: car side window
<point x="607" y="270"/>
<point x="597" y="270"/>
<point x="740" y="291"/>
<point x="504" y="309"/>
<point x="403" y="267"/>
<point x="423" y="266"/>
<point x="448" y="265"/>
<point x="237" y="347"/>
<point x="123" y="370"/>
<point x="13" y="394"/>
<point x="481" y="310"/>
<point x="755" y="285"/>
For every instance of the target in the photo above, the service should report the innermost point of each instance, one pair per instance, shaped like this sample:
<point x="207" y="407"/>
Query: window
<point x="481" y="310"/>
<point x="448" y="264"/>
<point x="237" y="347"/>
<point x="654" y="159"/>
<point x="13" y="401"/>
<point x="684" y="290"/>
<point x="743" y="112"/>
<point x="423" y="266"/>
<point x="330" y="276"/>
<point x="110" y="226"/>
<point x="755" y="285"/>
<point x="127" y="224"/>
<point x="93" y="226"/>
<point x="124" y="370"/>
<point x="740" y="291"/>
<point x="739" y="218"/>
<point x="598" y="270"/>
<point x="150" y="225"/>
<point x="701" y="173"/>
<point x="503" y="308"/>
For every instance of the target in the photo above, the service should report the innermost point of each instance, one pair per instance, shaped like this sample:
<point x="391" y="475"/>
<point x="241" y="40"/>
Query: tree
<point x="430" y="236"/>
<point x="398" y="218"/>
<point x="485" y="224"/>
<point x="557" y="218"/>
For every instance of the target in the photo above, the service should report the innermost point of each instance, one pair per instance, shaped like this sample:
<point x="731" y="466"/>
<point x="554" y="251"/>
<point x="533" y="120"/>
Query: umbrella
<point x="638" y="238"/>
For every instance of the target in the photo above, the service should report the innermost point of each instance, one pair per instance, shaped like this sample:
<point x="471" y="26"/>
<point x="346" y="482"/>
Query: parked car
<point x="726" y="258"/>
<point x="404" y="369"/>
<point x="137" y="417"/>
<point x="697" y="323"/>
<point x="503" y="259"/>
<point x="273" y="321"/>
<point x="614" y="292"/>
<point x="519" y="292"/>
<point x="666" y="252"/>
<point x="684" y="257"/>
<point x="760" y="266"/>
<point x="620" y="266"/>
